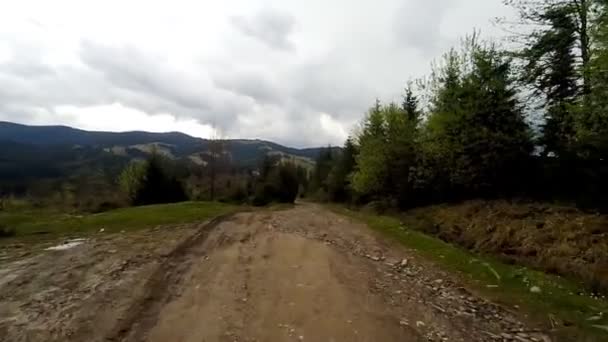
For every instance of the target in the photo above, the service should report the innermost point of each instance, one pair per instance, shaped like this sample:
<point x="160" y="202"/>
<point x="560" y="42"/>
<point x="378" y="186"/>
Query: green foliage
<point x="288" y="184"/>
<point x="132" y="178"/>
<point x="386" y="150"/>
<point x="476" y="137"/>
<point x="238" y="194"/>
<point x="474" y="142"/>
<point x="371" y="170"/>
<point x="35" y="221"/>
<point x="410" y="105"/>
<point x="149" y="182"/>
<point x="278" y="182"/>
<point x="551" y="69"/>
<point x="323" y="166"/>
<point x="338" y="180"/>
<point x="559" y="296"/>
<point x="592" y="125"/>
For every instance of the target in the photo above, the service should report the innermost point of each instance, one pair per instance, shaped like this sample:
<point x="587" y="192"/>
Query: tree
<point x="559" y="41"/>
<point x="215" y="162"/>
<point x="338" y="180"/>
<point x="371" y="171"/>
<point x="277" y="183"/>
<point x="150" y="183"/>
<point x="323" y="166"/>
<point x="410" y="105"/>
<point x="131" y="179"/>
<point x="537" y="17"/>
<point x="550" y="67"/>
<point x="476" y="138"/>
<point x="158" y="186"/>
<point x="386" y="153"/>
<point x="287" y="184"/>
<point x="592" y="127"/>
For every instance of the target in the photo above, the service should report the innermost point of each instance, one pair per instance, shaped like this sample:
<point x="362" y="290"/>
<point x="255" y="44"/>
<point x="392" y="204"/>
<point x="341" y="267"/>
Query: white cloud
<point x="333" y="127"/>
<point x="117" y="117"/>
<point x="297" y="72"/>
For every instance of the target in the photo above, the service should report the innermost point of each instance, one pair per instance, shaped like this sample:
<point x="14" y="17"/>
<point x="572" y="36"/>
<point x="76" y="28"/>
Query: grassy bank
<point x="561" y="305"/>
<point x="27" y="222"/>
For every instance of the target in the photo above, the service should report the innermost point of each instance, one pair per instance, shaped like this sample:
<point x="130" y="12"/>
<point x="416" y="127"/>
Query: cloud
<point x="257" y="85"/>
<point x="417" y="24"/>
<point x="270" y="27"/>
<point x="298" y="73"/>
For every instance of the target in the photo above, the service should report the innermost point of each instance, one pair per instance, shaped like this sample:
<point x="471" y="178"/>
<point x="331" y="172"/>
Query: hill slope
<point x="39" y="151"/>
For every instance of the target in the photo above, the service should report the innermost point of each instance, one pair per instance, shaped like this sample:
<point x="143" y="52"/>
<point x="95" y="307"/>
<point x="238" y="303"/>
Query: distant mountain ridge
<point x="56" y="150"/>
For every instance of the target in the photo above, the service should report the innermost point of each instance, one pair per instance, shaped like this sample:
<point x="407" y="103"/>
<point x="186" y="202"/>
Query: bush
<point x="237" y="195"/>
<point x="7" y="232"/>
<point x="288" y="185"/>
<point x="263" y="195"/>
<point x="150" y="183"/>
<point x="280" y="185"/>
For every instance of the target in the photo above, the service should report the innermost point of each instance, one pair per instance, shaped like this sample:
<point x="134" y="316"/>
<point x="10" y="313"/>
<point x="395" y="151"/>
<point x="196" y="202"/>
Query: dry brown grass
<point x="561" y="240"/>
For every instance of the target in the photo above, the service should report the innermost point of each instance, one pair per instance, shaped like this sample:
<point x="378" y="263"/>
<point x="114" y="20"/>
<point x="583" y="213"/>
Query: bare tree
<point x="216" y="152"/>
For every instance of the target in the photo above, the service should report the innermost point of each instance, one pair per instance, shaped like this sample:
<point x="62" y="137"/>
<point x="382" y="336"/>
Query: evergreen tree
<point x="410" y="105"/>
<point x="476" y="134"/>
<point x="371" y="172"/>
<point x="592" y="127"/>
<point x="323" y="166"/>
<point x="338" y="182"/>
<point x="157" y="186"/>
<point x="386" y="153"/>
<point x="540" y="16"/>
<point x="550" y="67"/>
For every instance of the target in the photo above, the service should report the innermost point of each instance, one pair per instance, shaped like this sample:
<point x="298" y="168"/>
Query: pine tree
<point x="338" y="182"/>
<point x="476" y="136"/>
<point x="539" y="15"/>
<point x="410" y="105"/>
<point x="551" y="70"/>
<point x="592" y="126"/>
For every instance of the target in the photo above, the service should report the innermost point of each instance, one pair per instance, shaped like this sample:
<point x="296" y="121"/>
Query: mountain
<point x="37" y="151"/>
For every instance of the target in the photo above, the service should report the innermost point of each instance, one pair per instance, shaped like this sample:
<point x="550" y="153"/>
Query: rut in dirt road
<point x="308" y="274"/>
<point x="302" y="274"/>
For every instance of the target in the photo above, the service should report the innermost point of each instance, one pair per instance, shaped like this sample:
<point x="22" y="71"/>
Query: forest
<point x="523" y="118"/>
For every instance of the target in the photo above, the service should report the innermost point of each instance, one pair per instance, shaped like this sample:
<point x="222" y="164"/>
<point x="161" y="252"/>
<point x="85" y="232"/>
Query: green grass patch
<point x="559" y="305"/>
<point x="45" y="221"/>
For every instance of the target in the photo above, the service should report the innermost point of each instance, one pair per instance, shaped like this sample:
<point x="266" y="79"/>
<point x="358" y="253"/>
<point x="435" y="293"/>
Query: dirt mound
<point x="561" y="240"/>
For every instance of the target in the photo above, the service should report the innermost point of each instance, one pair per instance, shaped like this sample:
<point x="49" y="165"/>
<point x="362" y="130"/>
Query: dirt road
<point x="303" y="274"/>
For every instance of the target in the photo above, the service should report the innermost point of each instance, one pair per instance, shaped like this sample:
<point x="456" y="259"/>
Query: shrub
<point x="150" y="183"/>
<point x="238" y="194"/>
<point x="7" y="232"/>
<point x="280" y="185"/>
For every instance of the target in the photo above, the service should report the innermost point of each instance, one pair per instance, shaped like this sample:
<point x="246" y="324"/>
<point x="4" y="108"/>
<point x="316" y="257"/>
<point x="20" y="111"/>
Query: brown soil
<point x="298" y="274"/>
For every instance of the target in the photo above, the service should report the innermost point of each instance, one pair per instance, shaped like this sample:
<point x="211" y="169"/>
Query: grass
<point x="28" y="222"/>
<point x="559" y="305"/>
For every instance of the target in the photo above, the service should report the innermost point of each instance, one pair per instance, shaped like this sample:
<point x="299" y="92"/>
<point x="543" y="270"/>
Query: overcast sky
<point x="300" y="73"/>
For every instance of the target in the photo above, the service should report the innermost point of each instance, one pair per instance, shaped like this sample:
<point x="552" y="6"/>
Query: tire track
<point x="162" y="287"/>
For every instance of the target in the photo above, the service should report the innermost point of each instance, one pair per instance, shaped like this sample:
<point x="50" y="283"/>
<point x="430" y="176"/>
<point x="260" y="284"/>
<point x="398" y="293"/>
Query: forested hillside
<point x="523" y="118"/>
<point x="63" y="166"/>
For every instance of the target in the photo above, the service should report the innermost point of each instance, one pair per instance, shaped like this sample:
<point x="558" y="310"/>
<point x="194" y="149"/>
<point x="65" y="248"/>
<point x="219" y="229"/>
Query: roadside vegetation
<point x="561" y="304"/>
<point x="152" y="194"/>
<point x="496" y="166"/>
<point x="148" y="193"/>
<point x="27" y="221"/>
<point x="521" y="128"/>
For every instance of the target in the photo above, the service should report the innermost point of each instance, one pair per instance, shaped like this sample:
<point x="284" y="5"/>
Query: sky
<point x="299" y="73"/>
